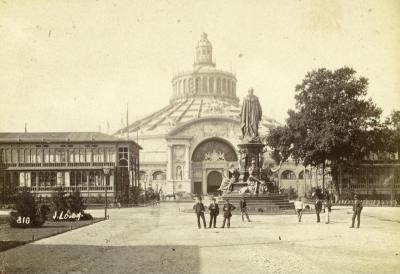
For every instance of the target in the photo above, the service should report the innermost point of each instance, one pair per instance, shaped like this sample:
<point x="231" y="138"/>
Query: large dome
<point x="201" y="92"/>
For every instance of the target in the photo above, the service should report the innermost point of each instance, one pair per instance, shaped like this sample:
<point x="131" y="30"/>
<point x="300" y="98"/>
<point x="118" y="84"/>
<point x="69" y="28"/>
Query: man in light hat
<point x="357" y="207"/>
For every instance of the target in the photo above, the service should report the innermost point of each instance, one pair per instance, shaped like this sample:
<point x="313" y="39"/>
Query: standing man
<point x="318" y="208"/>
<point x="199" y="209"/>
<point x="214" y="212"/>
<point x="298" y="205"/>
<point x="243" y="209"/>
<point x="327" y="208"/>
<point x="228" y="207"/>
<point x="357" y="207"/>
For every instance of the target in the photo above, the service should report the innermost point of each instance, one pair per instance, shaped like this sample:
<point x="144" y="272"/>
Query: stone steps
<point x="269" y="203"/>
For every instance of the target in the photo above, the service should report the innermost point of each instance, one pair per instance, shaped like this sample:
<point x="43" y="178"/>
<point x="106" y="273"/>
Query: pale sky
<point x="73" y="65"/>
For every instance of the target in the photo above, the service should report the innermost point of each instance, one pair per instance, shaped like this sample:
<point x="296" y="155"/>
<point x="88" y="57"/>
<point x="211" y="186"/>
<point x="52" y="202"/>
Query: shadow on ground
<point x="101" y="259"/>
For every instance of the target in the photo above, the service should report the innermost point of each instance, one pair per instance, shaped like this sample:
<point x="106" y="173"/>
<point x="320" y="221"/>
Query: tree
<point x="75" y="202"/>
<point x="333" y="123"/>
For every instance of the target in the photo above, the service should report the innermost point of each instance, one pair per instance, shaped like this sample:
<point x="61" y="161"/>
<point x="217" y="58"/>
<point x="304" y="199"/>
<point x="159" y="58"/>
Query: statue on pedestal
<point x="250" y="117"/>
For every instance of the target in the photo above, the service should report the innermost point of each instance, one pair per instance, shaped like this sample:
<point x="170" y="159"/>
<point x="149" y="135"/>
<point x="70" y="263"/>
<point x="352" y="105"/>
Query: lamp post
<point x="106" y="174"/>
<point x="145" y="181"/>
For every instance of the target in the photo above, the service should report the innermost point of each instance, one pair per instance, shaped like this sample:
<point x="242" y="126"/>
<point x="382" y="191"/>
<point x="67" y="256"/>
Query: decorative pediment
<point x="214" y="156"/>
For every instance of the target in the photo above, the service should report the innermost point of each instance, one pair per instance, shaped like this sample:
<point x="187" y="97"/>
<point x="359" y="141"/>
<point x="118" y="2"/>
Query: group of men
<point x="327" y="205"/>
<point x="213" y="208"/>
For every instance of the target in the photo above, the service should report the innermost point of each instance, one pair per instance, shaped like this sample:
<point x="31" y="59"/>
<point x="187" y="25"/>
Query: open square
<point x="164" y="239"/>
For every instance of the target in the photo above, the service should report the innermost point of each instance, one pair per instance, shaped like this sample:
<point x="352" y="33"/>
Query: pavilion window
<point x="91" y="178"/>
<point x="8" y="156"/>
<point x="53" y="178"/>
<point x="190" y="88"/>
<point x="101" y="155"/>
<point x="112" y="155"/>
<point x="14" y="155"/>
<point x="71" y="155"/>
<point x="46" y="155"/>
<point x="96" y="155"/>
<point x="39" y="155"/>
<point x="52" y="155"/>
<point x="184" y="86"/>
<point x="57" y="155"/>
<point x="72" y="178"/>
<point x="224" y="85"/>
<point x="2" y="156"/>
<point x="33" y="155"/>
<point x="88" y="155"/>
<point x="229" y="87"/>
<point x="106" y="155"/>
<point x="60" y="179"/>
<point x="211" y="85"/>
<point x="84" y="178"/>
<point x="21" y="179"/>
<point x="197" y="85"/>
<point x="218" y="85"/>
<point x="33" y="178"/>
<point x="204" y="84"/>
<point x="82" y="155"/>
<point x="63" y="157"/>
<point x="97" y="178"/>
<point x="78" y="178"/>
<point x="42" y="179"/>
<point x="67" y="182"/>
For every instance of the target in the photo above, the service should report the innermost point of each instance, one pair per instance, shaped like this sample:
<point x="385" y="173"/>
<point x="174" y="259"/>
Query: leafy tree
<point x="75" y="202"/>
<point x="332" y="124"/>
<point x="59" y="200"/>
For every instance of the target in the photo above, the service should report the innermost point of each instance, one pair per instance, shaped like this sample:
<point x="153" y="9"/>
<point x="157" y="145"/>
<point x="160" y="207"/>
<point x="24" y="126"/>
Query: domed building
<point x="188" y="143"/>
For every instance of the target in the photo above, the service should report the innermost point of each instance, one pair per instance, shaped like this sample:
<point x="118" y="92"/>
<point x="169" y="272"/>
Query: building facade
<point x="84" y="161"/>
<point x="189" y="143"/>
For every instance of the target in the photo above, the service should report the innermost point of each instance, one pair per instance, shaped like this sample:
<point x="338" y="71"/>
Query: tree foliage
<point x="333" y="121"/>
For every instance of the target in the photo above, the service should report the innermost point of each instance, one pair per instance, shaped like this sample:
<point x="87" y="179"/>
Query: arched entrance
<point x="209" y="159"/>
<point x="214" y="180"/>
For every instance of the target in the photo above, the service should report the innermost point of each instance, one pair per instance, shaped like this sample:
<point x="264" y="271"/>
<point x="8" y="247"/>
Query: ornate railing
<point x="65" y="188"/>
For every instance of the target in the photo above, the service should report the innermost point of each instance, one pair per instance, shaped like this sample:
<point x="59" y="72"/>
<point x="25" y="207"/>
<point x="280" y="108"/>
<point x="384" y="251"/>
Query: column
<point x="187" y="162"/>
<point x="37" y="181"/>
<point x="169" y="161"/>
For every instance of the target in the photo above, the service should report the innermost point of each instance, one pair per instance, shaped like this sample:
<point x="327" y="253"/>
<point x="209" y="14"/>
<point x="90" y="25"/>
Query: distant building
<point x="375" y="178"/>
<point x="43" y="161"/>
<point x="189" y="143"/>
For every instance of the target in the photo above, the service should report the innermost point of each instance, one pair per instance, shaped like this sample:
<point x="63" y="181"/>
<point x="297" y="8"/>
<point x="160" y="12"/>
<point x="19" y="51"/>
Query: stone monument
<point x="248" y="180"/>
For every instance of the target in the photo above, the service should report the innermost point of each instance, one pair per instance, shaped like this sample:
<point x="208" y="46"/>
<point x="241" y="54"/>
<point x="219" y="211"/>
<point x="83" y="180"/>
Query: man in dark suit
<point x="357" y="207"/>
<point x="243" y="209"/>
<point x="318" y="208"/>
<point x="199" y="209"/>
<point x="228" y="207"/>
<point x="214" y="211"/>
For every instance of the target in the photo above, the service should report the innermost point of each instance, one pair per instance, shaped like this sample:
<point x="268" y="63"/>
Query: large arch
<point x="214" y="179"/>
<point x="217" y="145"/>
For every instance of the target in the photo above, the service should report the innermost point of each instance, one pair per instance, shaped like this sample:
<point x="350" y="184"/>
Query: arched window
<point x="39" y="155"/>
<point x="159" y="175"/>
<point x="288" y="175"/>
<point x="229" y="87"/>
<point x="204" y="84"/>
<point x="224" y="86"/>
<point x="301" y="174"/>
<point x="142" y="175"/>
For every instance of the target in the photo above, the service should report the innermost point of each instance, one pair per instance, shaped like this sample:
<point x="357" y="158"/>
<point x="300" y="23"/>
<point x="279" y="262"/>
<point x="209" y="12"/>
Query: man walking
<point x="318" y="208"/>
<point x="214" y="211"/>
<point x="357" y="207"/>
<point x="199" y="209"/>
<point x="243" y="209"/>
<point x="298" y="205"/>
<point x="228" y="207"/>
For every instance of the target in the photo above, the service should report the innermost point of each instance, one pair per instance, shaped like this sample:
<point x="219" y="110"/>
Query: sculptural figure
<point x="250" y="116"/>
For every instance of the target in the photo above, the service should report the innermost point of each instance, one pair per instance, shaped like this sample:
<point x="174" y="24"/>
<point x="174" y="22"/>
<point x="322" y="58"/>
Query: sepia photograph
<point x="199" y="136"/>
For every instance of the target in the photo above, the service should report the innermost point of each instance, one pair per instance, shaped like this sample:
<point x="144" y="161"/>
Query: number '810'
<point x="23" y="220"/>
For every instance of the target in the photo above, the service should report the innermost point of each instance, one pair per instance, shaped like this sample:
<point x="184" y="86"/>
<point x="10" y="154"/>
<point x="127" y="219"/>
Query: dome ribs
<point x="167" y="115"/>
<point x="185" y="111"/>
